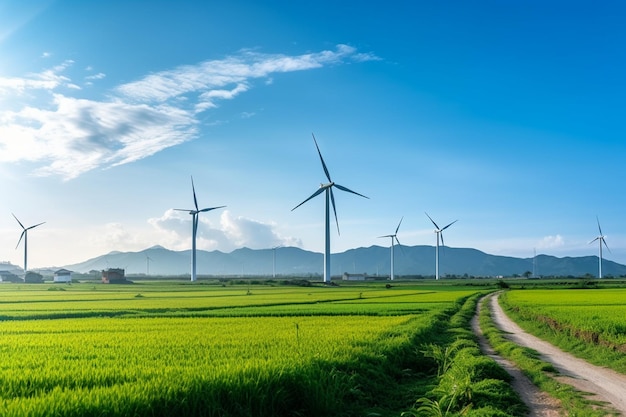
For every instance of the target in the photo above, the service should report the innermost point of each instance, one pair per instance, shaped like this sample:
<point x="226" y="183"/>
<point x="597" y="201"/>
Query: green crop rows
<point x="590" y="323"/>
<point x="154" y="350"/>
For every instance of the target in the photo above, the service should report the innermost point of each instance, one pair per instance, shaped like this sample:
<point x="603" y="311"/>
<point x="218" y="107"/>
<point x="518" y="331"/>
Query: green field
<point x="152" y="349"/>
<point x="588" y="322"/>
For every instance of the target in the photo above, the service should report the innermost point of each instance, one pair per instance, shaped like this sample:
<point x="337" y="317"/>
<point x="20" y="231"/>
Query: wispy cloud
<point x="67" y="135"/>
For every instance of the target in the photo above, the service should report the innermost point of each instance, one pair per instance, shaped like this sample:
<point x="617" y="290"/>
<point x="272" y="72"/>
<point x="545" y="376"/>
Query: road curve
<point x="606" y="385"/>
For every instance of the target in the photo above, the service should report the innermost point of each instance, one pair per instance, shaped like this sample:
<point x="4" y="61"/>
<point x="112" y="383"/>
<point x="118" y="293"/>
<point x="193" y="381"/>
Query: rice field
<point x="600" y="313"/>
<point x="155" y="349"/>
<point x="590" y="322"/>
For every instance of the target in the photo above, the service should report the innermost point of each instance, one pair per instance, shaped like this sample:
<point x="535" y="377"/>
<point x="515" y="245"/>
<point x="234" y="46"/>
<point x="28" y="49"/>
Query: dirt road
<point x="539" y="403"/>
<point x="605" y="385"/>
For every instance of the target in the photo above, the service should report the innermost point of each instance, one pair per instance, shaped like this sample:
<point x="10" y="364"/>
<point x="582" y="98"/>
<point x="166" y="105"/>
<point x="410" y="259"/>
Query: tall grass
<point x="467" y="382"/>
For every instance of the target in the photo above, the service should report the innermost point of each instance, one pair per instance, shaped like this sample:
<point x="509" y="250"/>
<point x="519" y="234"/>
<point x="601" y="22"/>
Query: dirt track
<point x="539" y="403"/>
<point x="604" y="384"/>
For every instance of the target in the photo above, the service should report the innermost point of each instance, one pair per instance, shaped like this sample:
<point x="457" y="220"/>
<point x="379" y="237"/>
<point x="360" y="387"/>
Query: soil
<point x="602" y="384"/>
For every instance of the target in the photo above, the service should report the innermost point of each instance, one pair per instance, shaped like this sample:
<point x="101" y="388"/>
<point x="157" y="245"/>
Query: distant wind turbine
<point x="439" y="233"/>
<point x="601" y="240"/>
<point x="148" y="259"/>
<point x="274" y="260"/>
<point x="194" y="227"/>
<point x="328" y="188"/>
<point x="394" y="238"/>
<point x="25" y="236"/>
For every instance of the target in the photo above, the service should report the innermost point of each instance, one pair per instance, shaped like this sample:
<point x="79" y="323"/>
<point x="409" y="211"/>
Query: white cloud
<point x="97" y="76"/>
<point x="551" y="242"/>
<point x="216" y="74"/>
<point x="78" y="135"/>
<point x="207" y="100"/>
<point x="226" y="234"/>
<point x="67" y="136"/>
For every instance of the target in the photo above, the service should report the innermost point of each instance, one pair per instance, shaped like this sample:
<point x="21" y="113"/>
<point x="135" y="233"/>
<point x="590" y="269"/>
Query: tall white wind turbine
<point x="394" y="238"/>
<point x="330" y="198"/>
<point x="194" y="227"/>
<point x="25" y="236"/>
<point x="439" y="233"/>
<point x="601" y="240"/>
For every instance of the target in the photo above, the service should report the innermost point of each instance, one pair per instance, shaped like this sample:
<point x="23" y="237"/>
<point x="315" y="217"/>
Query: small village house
<point x="114" y="276"/>
<point x="62" y="276"/>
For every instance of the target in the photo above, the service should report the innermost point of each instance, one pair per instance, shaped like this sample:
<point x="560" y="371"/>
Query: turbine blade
<point x="400" y="246"/>
<point x="315" y="194"/>
<point x="398" y="228"/>
<point x="209" y="209"/>
<point x="441" y="235"/>
<point x="32" y="227"/>
<point x="593" y="241"/>
<point x="322" y="159"/>
<point x="332" y="200"/>
<point x="449" y="225"/>
<point x="599" y="229"/>
<point x="607" y="246"/>
<point x="385" y="236"/>
<point x="432" y="220"/>
<point x="342" y="188"/>
<point x="195" y="200"/>
<point x="20" y="240"/>
<point x="18" y="221"/>
<point x="187" y="210"/>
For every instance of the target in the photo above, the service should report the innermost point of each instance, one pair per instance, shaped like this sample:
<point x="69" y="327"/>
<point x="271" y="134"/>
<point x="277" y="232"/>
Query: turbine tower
<point x="439" y="233"/>
<point x="194" y="227"/>
<point x="25" y="236"/>
<point x="330" y="198"/>
<point x="601" y="240"/>
<point x="394" y="238"/>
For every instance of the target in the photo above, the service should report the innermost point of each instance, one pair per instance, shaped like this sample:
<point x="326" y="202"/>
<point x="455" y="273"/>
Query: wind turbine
<point x="25" y="236"/>
<point x="148" y="259"/>
<point x="194" y="228"/>
<point x="394" y="238"/>
<point x="274" y="260"/>
<point x="600" y="240"/>
<point x="439" y="233"/>
<point x="330" y="198"/>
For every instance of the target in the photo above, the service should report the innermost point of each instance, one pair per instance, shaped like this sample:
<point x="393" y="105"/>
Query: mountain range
<point x="373" y="261"/>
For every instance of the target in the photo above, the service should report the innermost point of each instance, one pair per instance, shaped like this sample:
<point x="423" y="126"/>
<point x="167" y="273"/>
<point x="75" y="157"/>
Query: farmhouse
<point x="62" y="276"/>
<point x="354" y="277"/>
<point x="33" y="278"/>
<point x="114" y="276"/>
<point x="8" y="276"/>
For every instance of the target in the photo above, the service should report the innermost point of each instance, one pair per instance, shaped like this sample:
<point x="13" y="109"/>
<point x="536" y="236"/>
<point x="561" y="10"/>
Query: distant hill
<point x="374" y="260"/>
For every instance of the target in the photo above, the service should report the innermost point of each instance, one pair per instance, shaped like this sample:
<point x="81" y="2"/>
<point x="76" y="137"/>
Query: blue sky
<point x="508" y="116"/>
